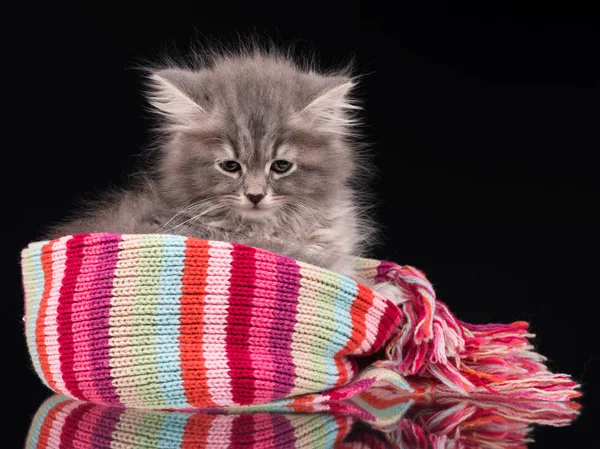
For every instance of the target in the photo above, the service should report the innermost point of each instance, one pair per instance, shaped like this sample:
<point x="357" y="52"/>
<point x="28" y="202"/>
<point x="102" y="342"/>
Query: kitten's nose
<point x="255" y="199"/>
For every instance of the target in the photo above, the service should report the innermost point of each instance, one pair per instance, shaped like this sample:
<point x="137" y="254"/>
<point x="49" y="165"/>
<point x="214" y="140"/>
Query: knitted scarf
<point x="171" y="322"/>
<point x="63" y="423"/>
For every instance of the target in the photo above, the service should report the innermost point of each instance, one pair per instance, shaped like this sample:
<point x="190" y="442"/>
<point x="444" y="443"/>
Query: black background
<point x="484" y="129"/>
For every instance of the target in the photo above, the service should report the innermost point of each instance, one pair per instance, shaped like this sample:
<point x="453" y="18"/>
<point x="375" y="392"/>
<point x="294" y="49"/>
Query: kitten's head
<point x="254" y="137"/>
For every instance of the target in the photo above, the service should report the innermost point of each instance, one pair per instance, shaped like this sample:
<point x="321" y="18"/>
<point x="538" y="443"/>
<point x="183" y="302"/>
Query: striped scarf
<point x="171" y="322"/>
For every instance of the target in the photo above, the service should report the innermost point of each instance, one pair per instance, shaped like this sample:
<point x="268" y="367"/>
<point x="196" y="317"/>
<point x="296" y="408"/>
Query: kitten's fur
<point x="253" y="107"/>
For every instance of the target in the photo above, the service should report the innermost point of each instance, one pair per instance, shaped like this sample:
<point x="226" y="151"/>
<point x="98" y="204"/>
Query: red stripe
<point x="40" y="327"/>
<point x="47" y="425"/>
<point x="385" y="328"/>
<point x="191" y="330"/>
<point x="243" y="431"/>
<point x="241" y="293"/>
<point x="64" y="312"/>
<point x="344" y="425"/>
<point x="358" y="312"/>
<point x="197" y="431"/>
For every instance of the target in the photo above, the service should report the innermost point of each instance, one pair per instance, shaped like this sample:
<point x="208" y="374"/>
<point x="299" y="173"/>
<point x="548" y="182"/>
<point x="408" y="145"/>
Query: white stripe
<point x="218" y="275"/>
<point x="299" y="337"/>
<point x="59" y="254"/>
<point x="131" y="392"/>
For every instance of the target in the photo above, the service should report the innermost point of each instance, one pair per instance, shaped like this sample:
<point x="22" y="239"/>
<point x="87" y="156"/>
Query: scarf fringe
<point x="491" y="359"/>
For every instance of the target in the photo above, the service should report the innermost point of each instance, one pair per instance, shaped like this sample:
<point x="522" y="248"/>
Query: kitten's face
<point x="254" y="139"/>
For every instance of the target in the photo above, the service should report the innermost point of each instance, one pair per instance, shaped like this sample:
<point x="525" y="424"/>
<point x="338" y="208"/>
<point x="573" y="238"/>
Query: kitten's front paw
<point x="391" y="292"/>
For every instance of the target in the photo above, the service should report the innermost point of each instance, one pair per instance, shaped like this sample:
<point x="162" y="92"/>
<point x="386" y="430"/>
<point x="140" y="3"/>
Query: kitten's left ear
<point x="332" y="107"/>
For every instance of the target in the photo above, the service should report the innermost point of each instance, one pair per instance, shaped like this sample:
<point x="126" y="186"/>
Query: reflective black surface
<point x="483" y="127"/>
<point x="397" y="423"/>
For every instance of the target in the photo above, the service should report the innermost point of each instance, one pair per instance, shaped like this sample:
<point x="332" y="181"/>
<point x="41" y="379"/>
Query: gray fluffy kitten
<point x="256" y="150"/>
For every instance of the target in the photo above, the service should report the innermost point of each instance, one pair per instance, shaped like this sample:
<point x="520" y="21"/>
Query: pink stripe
<point x="288" y="287"/>
<point x="382" y="271"/>
<point x="71" y="435"/>
<point x="220" y="433"/>
<point x="87" y="425"/>
<point x="106" y="425"/>
<point x="103" y="388"/>
<point x="285" y="438"/>
<point x="218" y="277"/>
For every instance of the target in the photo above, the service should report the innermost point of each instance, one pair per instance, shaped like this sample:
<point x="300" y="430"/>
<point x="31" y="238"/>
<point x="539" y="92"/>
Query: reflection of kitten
<point x="258" y="151"/>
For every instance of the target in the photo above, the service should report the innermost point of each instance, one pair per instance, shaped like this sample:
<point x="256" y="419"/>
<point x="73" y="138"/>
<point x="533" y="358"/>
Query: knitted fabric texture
<point x="169" y="322"/>
<point x="420" y="422"/>
<point x="62" y="423"/>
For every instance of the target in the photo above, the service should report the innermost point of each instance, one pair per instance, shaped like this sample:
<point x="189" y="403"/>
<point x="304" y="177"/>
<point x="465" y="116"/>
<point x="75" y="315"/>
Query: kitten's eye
<point x="281" y="166"/>
<point x="231" y="166"/>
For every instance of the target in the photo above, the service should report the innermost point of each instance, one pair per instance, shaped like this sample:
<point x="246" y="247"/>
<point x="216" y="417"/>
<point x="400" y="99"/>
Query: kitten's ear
<point x="171" y="95"/>
<point x="331" y="108"/>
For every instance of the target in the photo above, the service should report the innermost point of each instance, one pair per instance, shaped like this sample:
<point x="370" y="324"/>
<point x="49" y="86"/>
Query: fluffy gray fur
<point x="253" y="107"/>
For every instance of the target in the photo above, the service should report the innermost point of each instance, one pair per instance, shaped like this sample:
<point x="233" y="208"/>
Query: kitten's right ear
<point x="171" y="95"/>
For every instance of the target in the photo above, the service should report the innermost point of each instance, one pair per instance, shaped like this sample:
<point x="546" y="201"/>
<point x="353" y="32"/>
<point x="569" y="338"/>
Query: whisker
<point x="208" y="204"/>
<point x="195" y="217"/>
<point x="177" y="214"/>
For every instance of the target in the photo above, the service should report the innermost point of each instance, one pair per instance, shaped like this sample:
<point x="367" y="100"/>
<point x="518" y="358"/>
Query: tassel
<point x="492" y="359"/>
<point x="463" y="423"/>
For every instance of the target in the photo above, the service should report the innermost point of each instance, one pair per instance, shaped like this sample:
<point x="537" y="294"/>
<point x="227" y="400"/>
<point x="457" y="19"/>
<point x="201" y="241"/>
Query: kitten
<point x="255" y="150"/>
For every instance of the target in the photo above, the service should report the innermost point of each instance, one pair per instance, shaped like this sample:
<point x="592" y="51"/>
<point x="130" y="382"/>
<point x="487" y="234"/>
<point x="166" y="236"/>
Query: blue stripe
<point x="168" y="345"/>
<point x="35" y="291"/>
<point x="341" y="308"/>
<point x="172" y="430"/>
<point x="393" y="412"/>
<point x="331" y="431"/>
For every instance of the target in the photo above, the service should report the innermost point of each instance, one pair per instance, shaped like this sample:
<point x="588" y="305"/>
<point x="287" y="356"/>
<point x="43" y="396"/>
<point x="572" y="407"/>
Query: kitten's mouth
<point x="256" y="211"/>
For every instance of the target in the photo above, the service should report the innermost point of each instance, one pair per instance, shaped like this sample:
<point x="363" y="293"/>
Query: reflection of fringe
<point x="489" y="360"/>
<point x="460" y="427"/>
<point x="428" y="418"/>
<point x="455" y="423"/>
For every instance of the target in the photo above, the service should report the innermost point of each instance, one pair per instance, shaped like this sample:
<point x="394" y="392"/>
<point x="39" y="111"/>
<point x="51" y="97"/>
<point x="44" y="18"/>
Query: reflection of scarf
<point x="441" y="424"/>
<point x="169" y="322"/>
<point x="65" y="423"/>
